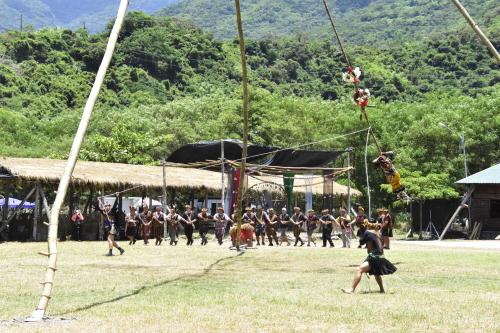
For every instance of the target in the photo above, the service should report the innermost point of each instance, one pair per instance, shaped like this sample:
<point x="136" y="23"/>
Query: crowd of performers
<point x="257" y="226"/>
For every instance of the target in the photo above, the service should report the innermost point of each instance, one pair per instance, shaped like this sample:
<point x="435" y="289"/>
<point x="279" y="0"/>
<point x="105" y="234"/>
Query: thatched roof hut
<point x="120" y="176"/>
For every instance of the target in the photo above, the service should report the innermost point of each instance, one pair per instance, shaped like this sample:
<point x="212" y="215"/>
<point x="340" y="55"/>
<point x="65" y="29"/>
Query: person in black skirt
<point x="190" y="217"/>
<point x="375" y="264"/>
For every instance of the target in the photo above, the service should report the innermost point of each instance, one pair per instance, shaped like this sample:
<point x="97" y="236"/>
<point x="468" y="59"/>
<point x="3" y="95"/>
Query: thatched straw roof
<point x="122" y="176"/>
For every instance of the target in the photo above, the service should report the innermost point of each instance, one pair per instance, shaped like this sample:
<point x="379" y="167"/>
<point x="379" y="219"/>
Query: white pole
<point x="39" y="313"/>
<point x="367" y="179"/>
<point x="165" y="203"/>
<point x="349" y="181"/>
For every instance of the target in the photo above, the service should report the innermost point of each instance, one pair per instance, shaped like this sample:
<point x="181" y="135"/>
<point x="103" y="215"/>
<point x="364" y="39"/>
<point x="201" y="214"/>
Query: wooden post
<point x="420" y="219"/>
<point x="478" y="30"/>
<point x="37" y="213"/>
<point x="463" y="204"/>
<point x="39" y="313"/>
<point x="246" y="107"/>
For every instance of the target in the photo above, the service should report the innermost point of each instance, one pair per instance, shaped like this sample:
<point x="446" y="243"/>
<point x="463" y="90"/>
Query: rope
<point x="336" y="33"/>
<point x="366" y="169"/>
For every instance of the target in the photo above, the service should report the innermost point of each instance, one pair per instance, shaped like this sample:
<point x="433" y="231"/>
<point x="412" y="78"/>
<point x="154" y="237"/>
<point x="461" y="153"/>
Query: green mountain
<point x="359" y="21"/>
<point x="68" y="13"/>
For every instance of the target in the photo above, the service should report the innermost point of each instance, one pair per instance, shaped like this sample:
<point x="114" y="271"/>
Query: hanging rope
<point x="367" y="178"/>
<point x="336" y="33"/>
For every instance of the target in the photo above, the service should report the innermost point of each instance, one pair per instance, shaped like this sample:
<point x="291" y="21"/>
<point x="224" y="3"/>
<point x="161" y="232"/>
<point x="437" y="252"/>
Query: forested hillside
<point x="68" y="13"/>
<point x="359" y="21"/>
<point x="170" y="83"/>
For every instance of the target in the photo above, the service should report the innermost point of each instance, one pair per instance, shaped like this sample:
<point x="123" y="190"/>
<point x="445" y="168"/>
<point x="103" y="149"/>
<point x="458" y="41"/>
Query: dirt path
<point x="469" y="244"/>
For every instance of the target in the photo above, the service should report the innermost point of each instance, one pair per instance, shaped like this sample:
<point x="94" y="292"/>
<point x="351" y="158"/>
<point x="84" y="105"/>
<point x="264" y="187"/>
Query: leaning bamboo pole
<point x="39" y="313"/>
<point x="244" y="72"/>
<point x="478" y="30"/>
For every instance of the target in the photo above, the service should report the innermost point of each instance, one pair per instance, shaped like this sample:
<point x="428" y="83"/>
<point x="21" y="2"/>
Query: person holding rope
<point x="189" y="216"/>
<point x="344" y="221"/>
<point x="158" y="220"/>
<point x="146" y="218"/>
<point x="311" y="224"/>
<point x="261" y="220"/>
<point x="173" y="220"/>
<point x="283" y="219"/>
<point x="131" y="225"/>
<point x="271" y="225"/>
<point x="221" y="221"/>
<point x="109" y="213"/>
<point x="387" y="226"/>
<point x="327" y="221"/>
<point x="297" y="219"/>
<point x="375" y="264"/>
<point x="204" y="225"/>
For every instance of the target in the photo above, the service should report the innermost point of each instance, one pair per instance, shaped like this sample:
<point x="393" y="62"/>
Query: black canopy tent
<point x="207" y="151"/>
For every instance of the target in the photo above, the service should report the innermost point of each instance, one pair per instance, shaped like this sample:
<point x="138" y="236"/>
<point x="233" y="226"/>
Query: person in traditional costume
<point x="221" y="222"/>
<point x="110" y="213"/>
<point x="173" y="221"/>
<point x="297" y="219"/>
<point x="131" y="225"/>
<point x="283" y="219"/>
<point x="204" y="225"/>
<point x="375" y="264"/>
<point x="248" y="216"/>
<point x="261" y="220"/>
<point x="327" y="221"/>
<point x="190" y="217"/>
<point x="158" y="225"/>
<point x="385" y="161"/>
<point x="387" y="226"/>
<point x="311" y="224"/>
<point x="147" y="222"/>
<point x="360" y="222"/>
<point x="271" y="225"/>
<point x="344" y="221"/>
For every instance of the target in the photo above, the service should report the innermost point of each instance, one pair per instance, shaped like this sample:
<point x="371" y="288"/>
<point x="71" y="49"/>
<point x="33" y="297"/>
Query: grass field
<point x="212" y="289"/>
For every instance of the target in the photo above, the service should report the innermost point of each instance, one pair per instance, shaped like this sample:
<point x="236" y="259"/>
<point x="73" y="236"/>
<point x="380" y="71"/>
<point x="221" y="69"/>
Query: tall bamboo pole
<point x="245" y="122"/>
<point x="39" y="313"/>
<point x="476" y="28"/>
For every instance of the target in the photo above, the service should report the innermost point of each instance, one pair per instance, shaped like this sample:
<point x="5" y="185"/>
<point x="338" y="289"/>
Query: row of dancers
<point x="256" y="226"/>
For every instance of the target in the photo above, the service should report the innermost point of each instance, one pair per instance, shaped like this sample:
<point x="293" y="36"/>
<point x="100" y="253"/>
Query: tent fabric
<point x="13" y="203"/>
<point x="211" y="150"/>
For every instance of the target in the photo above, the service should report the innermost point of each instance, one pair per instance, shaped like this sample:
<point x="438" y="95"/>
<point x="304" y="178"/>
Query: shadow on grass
<point x="394" y="263"/>
<point x="156" y="285"/>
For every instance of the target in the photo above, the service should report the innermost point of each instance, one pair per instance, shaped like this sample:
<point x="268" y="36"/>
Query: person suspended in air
<point x="385" y="162"/>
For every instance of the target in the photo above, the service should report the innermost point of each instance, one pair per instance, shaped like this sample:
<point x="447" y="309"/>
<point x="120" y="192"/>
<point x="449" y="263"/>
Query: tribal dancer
<point x="327" y="221"/>
<point x="189" y="216"/>
<point x="204" y="225"/>
<point x="131" y="225"/>
<point x="173" y="220"/>
<point x="146" y="218"/>
<point x="360" y="221"/>
<point x="271" y="225"/>
<point x="109" y="214"/>
<point x="311" y="223"/>
<point x="297" y="220"/>
<point x="386" y="228"/>
<point x="248" y="216"/>
<point x="344" y="221"/>
<point x="385" y="161"/>
<point x="158" y="225"/>
<point x="221" y="222"/>
<point x="375" y="264"/>
<point x="261" y="219"/>
<point x="283" y="218"/>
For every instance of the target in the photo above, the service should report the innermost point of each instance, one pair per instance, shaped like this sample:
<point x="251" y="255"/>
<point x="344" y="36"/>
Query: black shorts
<point x="387" y="232"/>
<point x="380" y="266"/>
<point x="131" y="231"/>
<point x="260" y="231"/>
